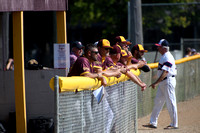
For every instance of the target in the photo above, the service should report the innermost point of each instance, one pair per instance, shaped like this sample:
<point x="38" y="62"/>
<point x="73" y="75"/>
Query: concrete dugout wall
<point x="39" y="96"/>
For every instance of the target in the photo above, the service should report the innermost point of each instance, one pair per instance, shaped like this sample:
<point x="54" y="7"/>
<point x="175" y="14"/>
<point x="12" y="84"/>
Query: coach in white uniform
<point x="166" y="87"/>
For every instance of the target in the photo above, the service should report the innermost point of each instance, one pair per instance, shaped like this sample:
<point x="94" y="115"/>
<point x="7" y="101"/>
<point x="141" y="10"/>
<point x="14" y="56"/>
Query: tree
<point x="109" y="14"/>
<point x="174" y="13"/>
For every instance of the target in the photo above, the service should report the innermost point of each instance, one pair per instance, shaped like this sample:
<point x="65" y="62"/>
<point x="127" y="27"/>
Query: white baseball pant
<point x="165" y="93"/>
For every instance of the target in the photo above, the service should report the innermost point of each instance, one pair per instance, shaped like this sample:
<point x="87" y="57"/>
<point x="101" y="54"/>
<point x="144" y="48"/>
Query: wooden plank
<point x="33" y="5"/>
<point x="18" y="49"/>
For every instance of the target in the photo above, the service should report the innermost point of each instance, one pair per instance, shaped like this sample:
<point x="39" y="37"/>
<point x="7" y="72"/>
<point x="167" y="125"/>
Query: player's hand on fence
<point x="118" y="73"/>
<point x="123" y="70"/>
<point x="103" y="81"/>
<point x="102" y="78"/>
<point x="143" y="87"/>
<point x="141" y="64"/>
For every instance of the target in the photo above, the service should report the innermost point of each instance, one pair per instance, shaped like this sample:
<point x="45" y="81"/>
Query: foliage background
<point x="89" y="21"/>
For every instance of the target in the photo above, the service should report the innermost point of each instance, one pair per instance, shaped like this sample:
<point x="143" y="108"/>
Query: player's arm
<point x="136" y="80"/>
<point x="132" y="66"/>
<point x="162" y="76"/>
<point x="112" y="73"/>
<point x="98" y="69"/>
<point x="137" y="65"/>
<point x="9" y="64"/>
<point x="96" y="75"/>
<point x="90" y="75"/>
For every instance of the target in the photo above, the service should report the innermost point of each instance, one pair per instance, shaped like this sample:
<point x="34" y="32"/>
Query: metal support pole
<point x="56" y="104"/>
<point x="18" y="51"/>
<point x="129" y="22"/>
<point x="136" y="111"/>
<point x="136" y="34"/>
<point x="182" y="49"/>
<point x="61" y="27"/>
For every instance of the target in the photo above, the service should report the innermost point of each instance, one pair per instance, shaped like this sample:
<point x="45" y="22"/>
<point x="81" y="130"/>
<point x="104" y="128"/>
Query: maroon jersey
<point x="134" y="61"/>
<point x="98" y="63"/>
<point x="81" y="66"/>
<point x="108" y="63"/>
<point x="122" y="65"/>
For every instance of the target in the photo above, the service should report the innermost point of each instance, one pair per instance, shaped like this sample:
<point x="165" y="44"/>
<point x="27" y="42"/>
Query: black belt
<point x="166" y="77"/>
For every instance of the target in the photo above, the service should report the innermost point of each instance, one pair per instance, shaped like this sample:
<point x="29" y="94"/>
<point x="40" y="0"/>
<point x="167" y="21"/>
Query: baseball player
<point x="84" y="65"/>
<point x="166" y="87"/>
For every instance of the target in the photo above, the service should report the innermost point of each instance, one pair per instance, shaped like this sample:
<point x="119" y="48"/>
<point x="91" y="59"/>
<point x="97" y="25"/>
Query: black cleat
<point x="170" y="127"/>
<point x="149" y="126"/>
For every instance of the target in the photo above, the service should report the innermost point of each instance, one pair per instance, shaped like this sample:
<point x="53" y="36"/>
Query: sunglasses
<point x="96" y="52"/>
<point x="107" y="48"/>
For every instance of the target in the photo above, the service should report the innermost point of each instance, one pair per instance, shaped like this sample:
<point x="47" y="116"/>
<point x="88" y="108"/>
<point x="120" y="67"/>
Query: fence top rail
<point x="155" y="65"/>
<point x="189" y="39"/>
<point x="80" y="83"/>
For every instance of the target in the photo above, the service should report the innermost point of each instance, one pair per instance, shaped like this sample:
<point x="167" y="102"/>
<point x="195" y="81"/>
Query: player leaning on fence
<point x="124" y="44"/>
<point x="112" y="62"/>
<point x="104" y="47"/>
<point x="84" y="65"/>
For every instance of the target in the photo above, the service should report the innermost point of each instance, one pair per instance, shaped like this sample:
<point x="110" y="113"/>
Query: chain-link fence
<point x="118" y="112"/>
<point x="187" y="85"/>
<point x="190" y="43"/>
<point x="80" y="112"/>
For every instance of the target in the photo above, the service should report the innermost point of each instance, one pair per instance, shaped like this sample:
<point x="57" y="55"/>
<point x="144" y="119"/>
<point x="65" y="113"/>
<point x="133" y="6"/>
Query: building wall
<point x="4" y="40"/>
<point x="1" y="41"/>
<point x="39" y="96"/>
<point x="39" y="37"/>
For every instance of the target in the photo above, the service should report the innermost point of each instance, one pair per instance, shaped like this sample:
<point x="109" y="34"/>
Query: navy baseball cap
<point x="77" y="44"/>
<point x="163" y="42"/>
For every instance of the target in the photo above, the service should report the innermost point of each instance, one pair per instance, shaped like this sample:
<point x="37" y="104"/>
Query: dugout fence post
<point x="136" y="112"/>
<point x="56" y="104"/>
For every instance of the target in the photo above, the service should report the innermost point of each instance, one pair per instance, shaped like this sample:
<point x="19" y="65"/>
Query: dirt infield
<point x="188" y="116"/>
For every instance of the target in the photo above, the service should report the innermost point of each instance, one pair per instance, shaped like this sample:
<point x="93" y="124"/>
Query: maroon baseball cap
<point x="138" y="47"/>
<point x="115" y="49"/>
<point x="103" y="43"/>
<point x="119" y="39"/>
